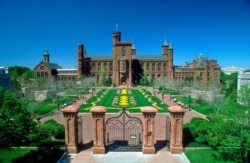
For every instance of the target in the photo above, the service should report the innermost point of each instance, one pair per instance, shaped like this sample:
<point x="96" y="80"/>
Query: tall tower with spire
<point x="167" y="50"/>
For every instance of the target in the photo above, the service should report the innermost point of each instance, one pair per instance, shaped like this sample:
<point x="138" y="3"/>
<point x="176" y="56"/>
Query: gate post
<point x="98" y="114"/>
<point x="71" y="129"/>
<point x="176" y="117"/>
<point x="148" y="129"/>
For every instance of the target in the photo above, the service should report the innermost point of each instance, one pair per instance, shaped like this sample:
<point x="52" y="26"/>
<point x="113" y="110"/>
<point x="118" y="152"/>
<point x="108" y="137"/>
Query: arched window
<point x="38" y="74"/>
<point x="123" y="51"/>
<point x="153" y="66"/>
<point x="147" y="66"/>
<point x="164" y="67"/>
<point x="105" y="66"/>
<point x="93" y="66"/>
<point x="111" y="66"/>
<point x="99" y="66"/>
<point x="46" y="75"/>
<point x="159" y="66"/>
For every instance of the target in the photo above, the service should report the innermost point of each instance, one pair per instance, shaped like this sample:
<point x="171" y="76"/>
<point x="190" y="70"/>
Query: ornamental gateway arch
<point x="147" y="131"/>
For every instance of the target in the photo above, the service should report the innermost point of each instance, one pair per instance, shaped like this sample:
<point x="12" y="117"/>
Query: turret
<point x="116" y="37"/>
<point x="46" y="56"/>
<point x="80" y="59"/>
<point x="165" y="47"/>
<point x="133" y="50"/>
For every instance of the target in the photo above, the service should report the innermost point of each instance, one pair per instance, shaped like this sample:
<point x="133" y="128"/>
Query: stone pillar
<point x="98" y="114"/>
<point x="176" y="118"/>
<point x="148" y="129"/>
<point x="71" y="129"/>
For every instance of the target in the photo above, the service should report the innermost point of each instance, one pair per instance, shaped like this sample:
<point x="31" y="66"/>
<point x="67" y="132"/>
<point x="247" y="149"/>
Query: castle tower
<point x="122" y="60"/>
<point x="80" y="59"/>
<point x="170" y="63"/>
<point x="116" y="37"/>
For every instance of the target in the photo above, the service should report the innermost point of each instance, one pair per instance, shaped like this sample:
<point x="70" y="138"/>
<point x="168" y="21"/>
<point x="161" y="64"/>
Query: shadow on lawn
<point x="43" y="154"/>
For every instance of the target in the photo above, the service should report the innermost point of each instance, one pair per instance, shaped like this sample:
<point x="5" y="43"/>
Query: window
<point x="46" y="75"/>
<point x="105" y="66"/>
<point x="159" y="66"/>
<point x="123" y="51"/>
<point x="111" y="66"/>
<point x="93" y="66"/>
<point x="164" y="67"/>
<point x="99" y="66"/>
<point x="153" y="66"/>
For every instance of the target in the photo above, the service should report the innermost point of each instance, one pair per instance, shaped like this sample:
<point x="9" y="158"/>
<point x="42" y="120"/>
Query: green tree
<point x="244" y="96"/>
<point x="16" y="123"/>
<point x="231" y="86"/>
<point x="108" y="81"/>
<point x="47" y="129"/>
<point x="19" y="76"/>
<point x="144" y="77"/>
<point x="102" y="75"/>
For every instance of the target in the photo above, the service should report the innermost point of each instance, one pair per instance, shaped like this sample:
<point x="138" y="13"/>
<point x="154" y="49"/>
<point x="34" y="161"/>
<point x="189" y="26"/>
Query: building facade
<point x="124" y="66"/>
<point x="5" y="78"/>
<point x="45" y="68"/>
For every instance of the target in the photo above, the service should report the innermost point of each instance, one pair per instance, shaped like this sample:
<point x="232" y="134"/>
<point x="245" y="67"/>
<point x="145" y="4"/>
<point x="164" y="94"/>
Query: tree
<point x="19" y="76"/>
<point x="102" y="74"/>
<point x="244" y="96"/>
<point x="144" y="77"/>
<point x="231" y="86"/>
<point x="16" y="123"/>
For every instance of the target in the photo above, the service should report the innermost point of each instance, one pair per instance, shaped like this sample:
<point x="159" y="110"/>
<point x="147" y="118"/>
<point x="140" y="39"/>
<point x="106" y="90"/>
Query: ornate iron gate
<point x="124" y="133"/>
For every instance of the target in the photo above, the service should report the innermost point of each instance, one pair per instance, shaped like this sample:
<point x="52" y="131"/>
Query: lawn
<point x="204" y="155"/>
<point x="46" y="106"/>
<point x="140" y="96"/>
<point x="17" y="155"/>
<point x="7" y="155"/>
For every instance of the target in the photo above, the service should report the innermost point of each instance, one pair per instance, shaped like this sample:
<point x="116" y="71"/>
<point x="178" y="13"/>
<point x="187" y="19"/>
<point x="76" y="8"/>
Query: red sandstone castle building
<point x="124" y="66"/>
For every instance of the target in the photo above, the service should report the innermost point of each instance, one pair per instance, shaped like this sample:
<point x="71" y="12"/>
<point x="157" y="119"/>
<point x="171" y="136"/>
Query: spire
<point x="133" y="47"/>
<point x="170" y="46"/>
<point x="165" y="43"/>
<point x="46" y="51"/>
<point x="116" y="27"/>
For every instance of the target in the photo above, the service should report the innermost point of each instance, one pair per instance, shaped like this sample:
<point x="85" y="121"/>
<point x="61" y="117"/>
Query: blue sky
<point x="219" y="29"/>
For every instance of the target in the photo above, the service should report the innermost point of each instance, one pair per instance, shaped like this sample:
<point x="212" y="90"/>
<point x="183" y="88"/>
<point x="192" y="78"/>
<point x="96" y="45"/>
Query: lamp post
<point x="170" y="95"/>
<point x="189" y="99"/>
<point x="58" y="105"/>
<point x="77" y="93"/>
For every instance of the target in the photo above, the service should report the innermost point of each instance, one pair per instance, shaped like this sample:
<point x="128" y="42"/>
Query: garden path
<point x="189" y="114"/>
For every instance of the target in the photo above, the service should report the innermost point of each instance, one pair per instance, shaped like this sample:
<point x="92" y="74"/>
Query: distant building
<point x="45" y="68"/>
<point x="243" y="78"/>
<point x="201" y="69"/>
<point x="124" y="66"/>
<point x="230" y="70"/>
<point x="5" y="78"/>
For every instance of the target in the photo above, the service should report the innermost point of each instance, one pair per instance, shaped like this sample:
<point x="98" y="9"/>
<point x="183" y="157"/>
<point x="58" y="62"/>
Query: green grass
<point x="44" y="107"/>
<point x="200" y="155"/>
<point x="142" y="98"/>
<point x="7" y="155"/>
